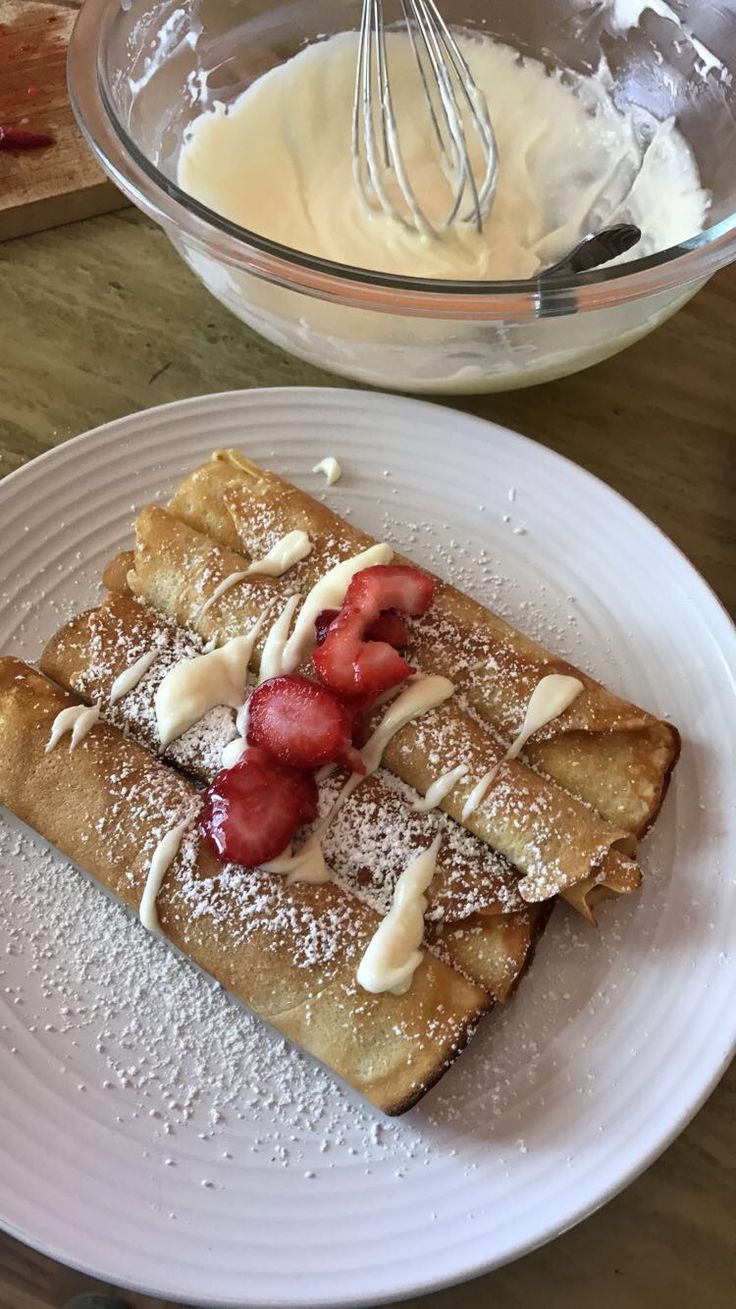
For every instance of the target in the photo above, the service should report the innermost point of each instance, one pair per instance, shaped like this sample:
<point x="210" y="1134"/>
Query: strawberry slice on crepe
<point x="301" y="724"/>
<point x="251" y="811"/>
<point x="353" y="663"/>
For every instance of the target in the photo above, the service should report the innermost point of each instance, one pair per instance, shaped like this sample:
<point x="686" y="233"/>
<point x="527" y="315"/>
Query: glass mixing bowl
<point x="141" y="70"/>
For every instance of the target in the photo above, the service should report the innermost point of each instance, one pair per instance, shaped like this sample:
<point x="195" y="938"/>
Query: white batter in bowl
<point x="570" y="162"/>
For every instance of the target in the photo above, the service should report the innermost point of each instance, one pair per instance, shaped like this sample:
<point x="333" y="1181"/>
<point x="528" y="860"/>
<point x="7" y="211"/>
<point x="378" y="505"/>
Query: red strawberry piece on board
<point x="19" y="139"/>
<point x="251" y="812"/>
<point x="351" y="664"/>
<point x="301" y="724"/>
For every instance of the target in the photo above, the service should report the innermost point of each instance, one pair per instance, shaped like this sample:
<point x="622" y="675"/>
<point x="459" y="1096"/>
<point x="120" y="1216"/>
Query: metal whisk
<point x="456" y="110"/>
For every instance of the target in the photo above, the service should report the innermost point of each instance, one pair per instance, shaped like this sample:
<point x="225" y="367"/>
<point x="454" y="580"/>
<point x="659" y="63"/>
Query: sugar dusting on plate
<point x="172" y="1049"/>
<point x="186" y="1072"/>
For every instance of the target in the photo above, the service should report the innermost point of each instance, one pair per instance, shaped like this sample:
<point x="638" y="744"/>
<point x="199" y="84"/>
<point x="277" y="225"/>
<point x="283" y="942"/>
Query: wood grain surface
<point x="43" y="188"/>
<point x="101" y="318"/>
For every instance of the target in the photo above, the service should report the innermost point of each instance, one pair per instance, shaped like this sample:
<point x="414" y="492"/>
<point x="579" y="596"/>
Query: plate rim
<point x="406" y="401"/>
<point x="725" y="632"/>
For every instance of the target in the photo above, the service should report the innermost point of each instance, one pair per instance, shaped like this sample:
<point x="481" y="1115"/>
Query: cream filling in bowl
<point x="277" y="160"/>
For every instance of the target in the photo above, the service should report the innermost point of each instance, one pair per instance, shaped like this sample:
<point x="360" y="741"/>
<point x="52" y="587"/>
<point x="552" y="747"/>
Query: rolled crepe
<point x="616" y="757"/>
<point x="556" y="842"/>
<point x="374" y="835"/>
<point x="288" y="952"/>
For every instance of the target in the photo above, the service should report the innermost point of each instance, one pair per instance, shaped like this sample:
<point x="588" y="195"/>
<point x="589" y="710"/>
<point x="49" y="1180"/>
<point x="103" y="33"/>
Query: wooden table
<point x="101" y="318"/>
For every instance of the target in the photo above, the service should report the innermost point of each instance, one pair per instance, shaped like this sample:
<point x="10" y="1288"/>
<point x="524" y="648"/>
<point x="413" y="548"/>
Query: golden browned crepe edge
<point x="115" y="573"/>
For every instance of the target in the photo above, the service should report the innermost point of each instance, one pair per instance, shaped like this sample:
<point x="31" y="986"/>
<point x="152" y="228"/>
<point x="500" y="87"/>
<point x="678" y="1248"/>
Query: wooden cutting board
<point x="43" y="188"/>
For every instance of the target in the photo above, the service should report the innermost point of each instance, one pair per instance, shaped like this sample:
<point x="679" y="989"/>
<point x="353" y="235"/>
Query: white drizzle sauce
<point x="479" y="791"/>
<point x="550" y="698"/>
<point x="128" y="680"/>
<point x="233" y="752"/>
<point x="77" y="719"/>
<point x="225" y="585"/>
<point x="327" y="593"/>
<point x="331" y="469"/>
<point x="194" y="686"/>
<point x="273" y="662"/>
<point x="307" y="865"/>
<point x="393" y="953"/>
<point x="241" y="718"/>
<point x="422" y="693"/>
<point x="282" y="556"/>
<point x="161" y="860"/>
<point x="437" y="791"/>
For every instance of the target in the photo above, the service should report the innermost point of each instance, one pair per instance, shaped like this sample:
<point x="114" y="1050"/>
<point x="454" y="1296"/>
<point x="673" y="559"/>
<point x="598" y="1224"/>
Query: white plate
<point x="163" y="1140"/>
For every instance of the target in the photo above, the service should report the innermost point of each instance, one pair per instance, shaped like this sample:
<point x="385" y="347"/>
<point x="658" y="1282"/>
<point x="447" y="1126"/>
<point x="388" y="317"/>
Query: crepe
<point x="289" y="953"/>
<point x="476" y="918"/>
<point x="615" y="756"/>
<point x="556" y="842"/>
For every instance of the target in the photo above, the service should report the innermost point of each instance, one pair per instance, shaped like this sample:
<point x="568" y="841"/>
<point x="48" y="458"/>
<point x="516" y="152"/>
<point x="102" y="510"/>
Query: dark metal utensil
<point x="596" y="249"/>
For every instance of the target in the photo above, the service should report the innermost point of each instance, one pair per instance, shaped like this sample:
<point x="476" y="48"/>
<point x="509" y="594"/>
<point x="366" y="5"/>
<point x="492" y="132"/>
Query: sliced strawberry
<point x="378" y="664"/>
<point x="322" y="622"/>
<point x="301" y="724"/>
<point x="387" y="627"/>
<point x="355" y="713"/>
<point x="390" y="586"/>
<point x="353" y="668"/>
<point x="391" y="628"/>
<point x="19" y="139"/>
<point x="349" y="662"/>
<point x="251" y="812"/>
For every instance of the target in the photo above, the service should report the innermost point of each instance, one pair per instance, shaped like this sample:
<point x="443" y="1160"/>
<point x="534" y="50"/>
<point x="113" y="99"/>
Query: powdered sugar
<point x="122" y="1015"/>
<point x="376" y="833"/>
<point x="203" y="741"/>
<point x="167" y="1047"/>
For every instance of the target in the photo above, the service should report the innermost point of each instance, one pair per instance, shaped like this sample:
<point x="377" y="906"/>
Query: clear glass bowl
<point x="141" y="70"/>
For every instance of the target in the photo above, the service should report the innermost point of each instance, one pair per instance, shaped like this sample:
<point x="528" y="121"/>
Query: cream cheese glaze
<point x="161" y="860"/>
<point x="331" y="469"/>
<point x="439" y="788"/>
<point x="128" y="680"/>
<point x="393" y="954"/>
<point x="328" y="593"/>
<point x="273" y="663"/>
<point x="77" y="719"/>
<point x="551" y="696"/>
<point x="233" y="752"/>
<point x="221" y="589"/>
<point x="282" y="556"/>
<point x="570" y="162"/>
<point x="194" y="686"/>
